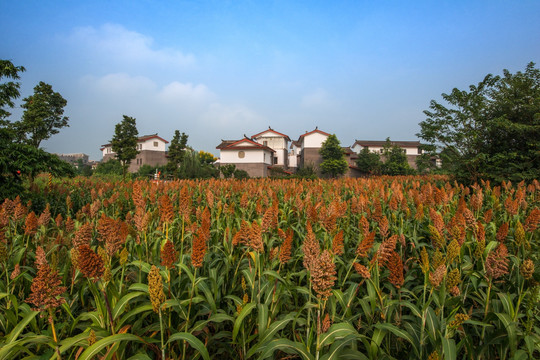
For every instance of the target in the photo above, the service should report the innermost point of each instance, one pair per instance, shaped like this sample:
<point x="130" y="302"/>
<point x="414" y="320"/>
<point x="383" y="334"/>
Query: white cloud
<point x="124" y="46"/>
<point x="317" y="99"/>
<point x="120" y="84"/>
<point x="180" y="92"/>
<point x="230" y="117"/>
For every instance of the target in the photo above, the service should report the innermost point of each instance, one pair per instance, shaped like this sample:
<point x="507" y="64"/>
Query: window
<point x="139" y="146"/>
<point x="108" y="150"/>
<point x="241" y="154"/>
<point x="275" y="160"/>
<point x="155" y="144"/>
<point x="419" y="151"/>
<point x="265" y="143"/>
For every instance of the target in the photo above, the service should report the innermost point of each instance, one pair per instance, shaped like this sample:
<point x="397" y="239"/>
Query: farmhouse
<point x="152" y="151"/>
<point x="247" y="155"/>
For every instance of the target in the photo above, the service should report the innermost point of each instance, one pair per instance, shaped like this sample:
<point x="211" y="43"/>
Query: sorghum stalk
<point x="161" y="331"/>
<point x="189" y="309"/>
<point x="51" y="320"/>
<point x="349" y="271"/>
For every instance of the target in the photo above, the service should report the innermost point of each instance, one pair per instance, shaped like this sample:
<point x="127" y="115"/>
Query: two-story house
<point x="278" y="142"/>
<point x="152" y="151"/>
<point x="309" y="145"/>
<point x="247" y="155"/>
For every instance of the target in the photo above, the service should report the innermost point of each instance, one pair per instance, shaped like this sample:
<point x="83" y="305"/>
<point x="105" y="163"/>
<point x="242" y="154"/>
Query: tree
<point x="227" y="170"/>
<point x="124" y="142"/>
<point x="206" y="157"/>
<point x="19" y="160"/>
<point x="9" y="91"/>
<point x="177" y="150"/>
<point x="490" y="131"/>
<point x="395" y="160"/>
<point x="43" y="115"/>
<point x="369" y="161"/>
<point x="334" y="163"/>
<point x="111" y="167"/>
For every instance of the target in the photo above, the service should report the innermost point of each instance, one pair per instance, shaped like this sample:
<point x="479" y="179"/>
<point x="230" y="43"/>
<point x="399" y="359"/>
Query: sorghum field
<point x="390" y="267"/>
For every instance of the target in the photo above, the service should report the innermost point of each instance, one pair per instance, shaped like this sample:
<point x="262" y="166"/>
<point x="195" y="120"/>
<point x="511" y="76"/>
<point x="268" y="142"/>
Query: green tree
<point x="490" y="131"/>
<point x="43" y="115"/>
<point x="227" y="170"/>
<point x="395" y="160"/>
<point x="19" y="160"/>
<point x="177" y="150"/>
<point x="111" y="167"/>
<point x="369" y="161"/>
<point x="193" y="168"/>
<point x="207" y="157"/>
<point x="334" y="163"/>
<point x="83" y="169"/>
<point x="9" y="91"/>
<point x="124" y="142"/>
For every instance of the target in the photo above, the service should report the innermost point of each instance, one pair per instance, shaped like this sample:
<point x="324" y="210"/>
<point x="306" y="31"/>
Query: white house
<point x="247" y="155"/>
<point x="309" y="144"/>
<point x="152" y="151"/>
<point x="278" y="142"/>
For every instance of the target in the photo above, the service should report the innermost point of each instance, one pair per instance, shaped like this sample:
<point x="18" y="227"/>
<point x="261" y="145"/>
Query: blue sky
<point x="221" y="69"/>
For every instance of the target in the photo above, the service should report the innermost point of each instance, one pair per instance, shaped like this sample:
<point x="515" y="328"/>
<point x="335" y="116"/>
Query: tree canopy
<point x="43" y="115"/>
<point x="177" y="150"/>
<point x="124" y="142"/>
<point x="20" y="160"/>
<point x="334" y="163"/>
<point x="490" y="131"/>
<point x="9" y="90"/>
<point x="369" y="161"/>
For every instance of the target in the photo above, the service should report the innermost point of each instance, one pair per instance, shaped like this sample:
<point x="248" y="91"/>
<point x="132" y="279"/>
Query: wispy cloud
<point x="126" y="46"/>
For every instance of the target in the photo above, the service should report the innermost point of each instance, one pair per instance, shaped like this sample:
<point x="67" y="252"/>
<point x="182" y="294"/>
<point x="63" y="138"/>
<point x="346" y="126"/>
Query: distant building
<point x="152" y="151"/>
<point x="411" y="148"/>
<point x="247" y="155"/>
<point x="278" y="142"/>
<point x="309" y="145"/>
<point x="73" y="159"/>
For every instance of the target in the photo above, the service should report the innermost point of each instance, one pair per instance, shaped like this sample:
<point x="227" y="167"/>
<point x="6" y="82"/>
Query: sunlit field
<point x="388" y="267"/>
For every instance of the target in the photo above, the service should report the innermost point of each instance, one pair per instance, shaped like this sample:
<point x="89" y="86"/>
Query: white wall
<point x="149" y="145"/>
<point x="314" y="140"/>
<point x="107" y="150"/>
<point x="273" y="142"/>
<point x="250" y="156"/>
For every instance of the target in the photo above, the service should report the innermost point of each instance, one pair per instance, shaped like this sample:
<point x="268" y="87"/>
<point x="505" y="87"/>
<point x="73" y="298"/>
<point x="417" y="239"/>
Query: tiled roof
<point x="273" y="131"/>
<point x="237" y="145"/>
<point x="142" y="139"/>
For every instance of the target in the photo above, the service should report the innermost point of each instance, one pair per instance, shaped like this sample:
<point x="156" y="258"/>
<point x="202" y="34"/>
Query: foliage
<point x="227" y="170"/>
<point x="9" y="90"/>
<point x="241" y="174"/>
<point x="110" y="167"/>
<point x="369" y="161"/>
<point x="206" y="157"/>
<point x="124" y="142"/>
<point x="395" y="160"/>
<point x="492" y="130"/>
<point x="43" y="115"/>
<point x="20" y="161"/>
<point x="307" y="171"/>
<point x="83" y="169"/>
<point x="386" y="267"/>
<point x="334" y="163"/>
<point x="177" y="150"/>
<point x="193" y="168"/>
